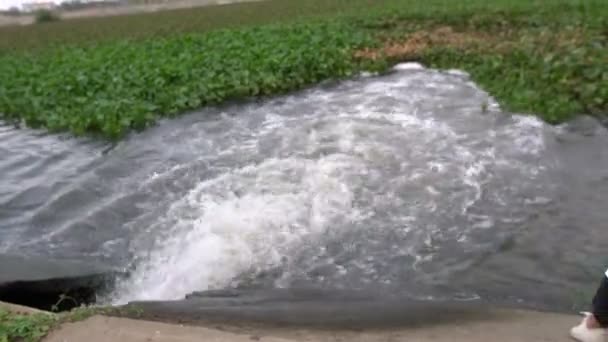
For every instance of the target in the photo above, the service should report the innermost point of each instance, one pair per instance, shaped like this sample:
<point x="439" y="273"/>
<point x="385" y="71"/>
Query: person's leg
<point x="593" y="327"/>
<point x="600" y="303"/>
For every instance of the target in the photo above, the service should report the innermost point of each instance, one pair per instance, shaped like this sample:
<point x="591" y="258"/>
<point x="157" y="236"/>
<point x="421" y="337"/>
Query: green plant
<point x="114" y="87"/>
<point x="33" y="327"/>
<point x="46" y="16"/>
<point x="27" y="328"/>
<point x="84" y="312"/>
<point x="86" y="77"/>
<point x="63" y="298"/>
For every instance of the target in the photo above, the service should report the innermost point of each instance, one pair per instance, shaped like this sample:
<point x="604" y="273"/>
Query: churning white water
<point x="379" y="180"/>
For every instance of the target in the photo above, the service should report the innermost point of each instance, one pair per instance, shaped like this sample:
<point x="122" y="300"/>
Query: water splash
<point x="381" y="180"/>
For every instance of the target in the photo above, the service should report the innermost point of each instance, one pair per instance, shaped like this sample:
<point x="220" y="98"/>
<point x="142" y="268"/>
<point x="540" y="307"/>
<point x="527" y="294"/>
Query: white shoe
<point x="583" y="334"/>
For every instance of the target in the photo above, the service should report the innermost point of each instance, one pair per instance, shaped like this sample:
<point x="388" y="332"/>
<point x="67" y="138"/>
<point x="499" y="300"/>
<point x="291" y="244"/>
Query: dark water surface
<point x="413" y="183"/>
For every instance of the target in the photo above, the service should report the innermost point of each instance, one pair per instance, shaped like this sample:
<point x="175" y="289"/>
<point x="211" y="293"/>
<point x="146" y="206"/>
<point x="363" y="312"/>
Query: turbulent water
<point x="413" y="182"/>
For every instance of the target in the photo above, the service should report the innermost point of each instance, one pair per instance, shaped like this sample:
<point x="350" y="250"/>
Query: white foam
<point x="241" y="221"/>
<point x="408" y="66"/>
<point x="459" y="73"/>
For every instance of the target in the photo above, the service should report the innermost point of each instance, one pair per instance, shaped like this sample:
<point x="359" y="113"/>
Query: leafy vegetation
<point x="556" y="86"/>
<point x="22" y="327"/>
<point x="85" y="76"/>
<point x="113" y="87"/>
<point x="46" y="16"/>
<point x="548" y="59"/>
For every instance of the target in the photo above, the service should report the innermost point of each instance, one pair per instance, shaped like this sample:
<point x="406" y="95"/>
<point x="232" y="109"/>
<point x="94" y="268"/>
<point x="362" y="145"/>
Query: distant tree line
<point x="13" y="11"/>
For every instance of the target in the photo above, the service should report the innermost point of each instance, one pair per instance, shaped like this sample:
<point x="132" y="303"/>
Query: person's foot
<point x="589" y="330"/>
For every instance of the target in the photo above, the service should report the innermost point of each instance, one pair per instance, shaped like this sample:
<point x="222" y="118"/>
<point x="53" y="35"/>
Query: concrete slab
<point x="505" y="326"/>
<point x="111" y="329"/>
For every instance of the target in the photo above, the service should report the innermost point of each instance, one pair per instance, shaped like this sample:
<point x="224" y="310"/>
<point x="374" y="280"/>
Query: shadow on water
<point x="413" y="185"/>
<point x="313" y="308"/>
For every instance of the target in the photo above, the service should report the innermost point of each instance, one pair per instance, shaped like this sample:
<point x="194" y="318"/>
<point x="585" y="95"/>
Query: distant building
<point x="74" y="5"/>
<point x="34" y="6"/>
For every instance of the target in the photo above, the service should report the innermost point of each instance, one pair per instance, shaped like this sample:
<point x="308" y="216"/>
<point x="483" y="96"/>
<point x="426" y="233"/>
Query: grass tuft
<point x="35" y="326"/>
<point x="25" y="327"/>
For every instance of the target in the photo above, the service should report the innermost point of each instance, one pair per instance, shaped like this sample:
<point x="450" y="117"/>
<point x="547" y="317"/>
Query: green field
<point x="110" y="75"/>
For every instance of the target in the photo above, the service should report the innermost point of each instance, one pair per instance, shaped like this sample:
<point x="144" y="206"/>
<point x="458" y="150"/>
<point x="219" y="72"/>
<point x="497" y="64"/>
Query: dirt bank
<point x="6" y="20"/>
<point x="507" y="326"/>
